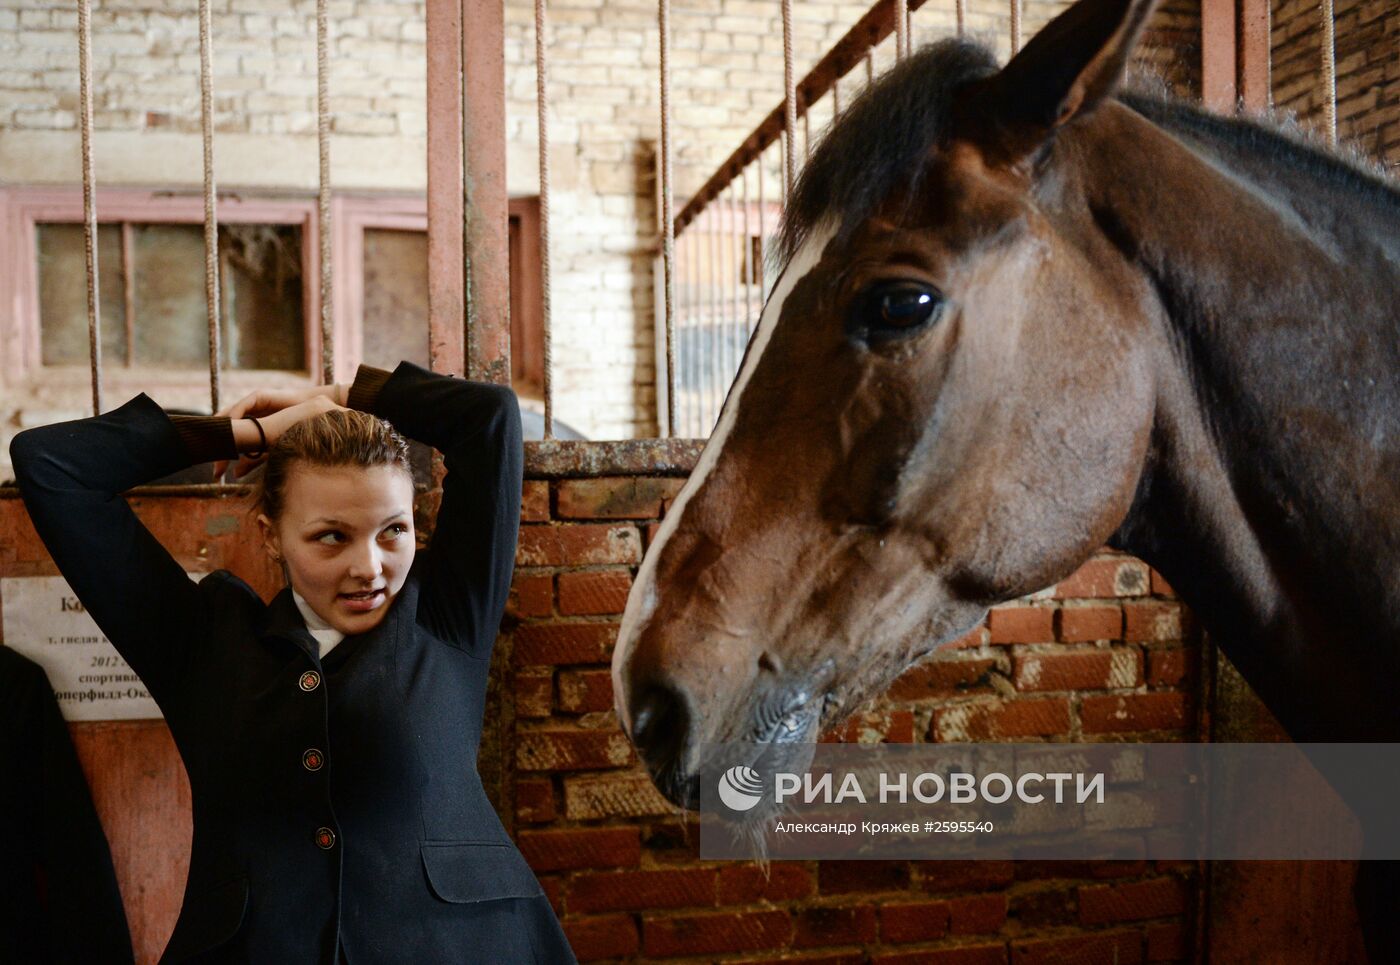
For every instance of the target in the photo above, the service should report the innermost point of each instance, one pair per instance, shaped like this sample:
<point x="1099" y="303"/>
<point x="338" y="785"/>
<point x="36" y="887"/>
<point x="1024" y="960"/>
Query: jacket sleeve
<point x="476" y="427"/>
<point x="72" y="475"/>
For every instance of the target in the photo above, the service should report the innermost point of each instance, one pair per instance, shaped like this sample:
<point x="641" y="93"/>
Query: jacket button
<point x="309" y="681"/>
<point x="325" y="839"/>
<point x="312" y="760"/>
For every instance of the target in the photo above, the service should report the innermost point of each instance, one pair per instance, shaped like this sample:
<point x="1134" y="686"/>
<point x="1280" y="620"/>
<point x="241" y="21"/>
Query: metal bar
<point x="1254" y="55"/>
<point x="1218" y="54"/>
<point x="668" y="224"/>
<point x="1015" y="25"/>
<point x="211" y="210"/>
<point x="89" y="203"/>
<point x="129" y="291"/>
<point x="750" y="268"/>
<point x="1329" y="71"/>
<point x="901" y="29"/>
<point x="486" y="215"/>
<point x="712" y="328"/>
<point x="789" y="105"/>
<point x="542" y="122"/>
<point x="760" y="258"/>
<point x="446" y="278"/>
<point x="323" y="194"/>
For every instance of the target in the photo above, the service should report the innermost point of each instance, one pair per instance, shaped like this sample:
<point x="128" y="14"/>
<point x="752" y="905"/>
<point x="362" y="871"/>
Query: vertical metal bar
<point x="446" y="278"/>
<point x="1218" y="91"/>
<point x="835" y="98"/>
<point x="1329" y="71"/>
<point x="1254" y="54"/>
<point x="731" y="309"/>
<point x="89" y="203"/>
<point x="712" y="329"/>
<point x="668" y="222"/>
<point x="760" y="257"/>
<point x="870" y="66"/>
<point x="789" y="103"/>
<point x="323" y="194"/>
<point x="806" y="133"/>
<point x="542" y="123"/>
<point x="901" y="29"/>
<point x="129" y="291"/>
<point x="750" y="268"/>
<point x="1015" y="25"/>
<point x="211" y="211"/>
<point x="961" y="8"/>
<point x="485" y="210"/>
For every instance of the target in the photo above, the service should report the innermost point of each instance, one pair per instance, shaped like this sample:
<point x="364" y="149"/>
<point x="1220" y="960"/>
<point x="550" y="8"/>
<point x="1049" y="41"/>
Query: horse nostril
<point x="660" y="722"/>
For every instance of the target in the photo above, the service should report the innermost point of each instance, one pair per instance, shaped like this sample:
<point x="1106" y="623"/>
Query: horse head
<point x="944" y="405"/>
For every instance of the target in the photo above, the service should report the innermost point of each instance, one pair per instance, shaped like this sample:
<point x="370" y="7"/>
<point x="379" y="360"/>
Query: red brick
<point x="534" y="501"/>
<point x="964" y="955"/>
<point x="893" y="727"/>
<point x="531" y="596"/>
<point x="1035" y="908"/>
<point x="999" y="719"/>
<point x="1168" y="668"/>
<point x="1160" y="586"/>
<point x="953" y="876"/>
<point x="534" y="800"/>
<point x="607" y="936"/>
<point x="1111" y="948"/>
<point x="554" y="643"/>
<point x="1134" y="901"/>
<point x="845" y="877"/>
<point x="1078" y="670"/>
<point x="1037" y="870"/>
<point x="619" y="497"/>
<point x="585" y="691"/>
<point x="593" y="594"/>
<point x="651" y="529"/>
<point x="821" y="925"/>
<point x="1084" y="624"/>
<point x="22" y="540"/>
<point x="643" y="890"/>
<point x="1021" y="624"/>
<point x="818" y="958"/>
<point x="976" y="637"/>
<point x="713" y="934"/>
<point x="554" y="891"/>
<point x="1132" y="712"/>
<point x="1166" y="943"/>
<point x="613" y="796"/>
<point x="1152" y="622"/>
<point x="943" y="678"/>
<point x="1103" y="579"/>
<point x="977" y="914"/>
<point x="746" y="884"/>
<point x="577" y="544"/>
<point x="572" y="750"/>
<point x="583" y="848"/>
<point x="534" y="692"/>
<point x="922" y="921"/>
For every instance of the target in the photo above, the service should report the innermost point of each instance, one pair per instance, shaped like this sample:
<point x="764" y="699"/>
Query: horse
<point x="1025" y="313"/>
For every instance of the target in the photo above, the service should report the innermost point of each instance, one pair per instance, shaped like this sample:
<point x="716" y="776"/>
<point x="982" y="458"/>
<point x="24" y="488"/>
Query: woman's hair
<point x="340" y="437"/>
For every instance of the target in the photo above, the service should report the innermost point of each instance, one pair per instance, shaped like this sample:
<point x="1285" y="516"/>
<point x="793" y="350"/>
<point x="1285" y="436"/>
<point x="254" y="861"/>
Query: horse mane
<point x="880" y="143"/>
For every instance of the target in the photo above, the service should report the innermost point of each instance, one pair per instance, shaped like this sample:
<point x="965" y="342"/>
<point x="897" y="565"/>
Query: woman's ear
<point x="272" y="543"/>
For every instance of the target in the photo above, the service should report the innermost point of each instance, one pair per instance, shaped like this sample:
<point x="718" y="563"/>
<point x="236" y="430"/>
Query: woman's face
<point x="346" y="535"/>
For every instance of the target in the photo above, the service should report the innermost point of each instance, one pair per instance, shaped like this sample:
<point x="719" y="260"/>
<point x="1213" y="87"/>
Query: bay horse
<point x="1024" y="315"/>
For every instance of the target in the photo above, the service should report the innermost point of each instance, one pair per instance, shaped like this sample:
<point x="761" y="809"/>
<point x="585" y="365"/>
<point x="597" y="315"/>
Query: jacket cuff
<point x="206" y="438"/>
<point x="364" y="391"/>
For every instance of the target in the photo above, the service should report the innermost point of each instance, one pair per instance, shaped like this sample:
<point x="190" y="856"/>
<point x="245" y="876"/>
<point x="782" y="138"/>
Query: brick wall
<point x="1109" y="654"/>
<point x="1368" y="71"/>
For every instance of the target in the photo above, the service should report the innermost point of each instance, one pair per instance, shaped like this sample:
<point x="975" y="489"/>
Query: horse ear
<point x="1065" y="72"/>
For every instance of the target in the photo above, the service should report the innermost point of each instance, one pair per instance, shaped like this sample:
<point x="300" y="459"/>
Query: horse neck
<point x="1271" y="494"/>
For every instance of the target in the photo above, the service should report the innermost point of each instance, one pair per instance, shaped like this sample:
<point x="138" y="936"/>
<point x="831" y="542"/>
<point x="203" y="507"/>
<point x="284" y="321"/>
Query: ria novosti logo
<point x="740" y="787"/>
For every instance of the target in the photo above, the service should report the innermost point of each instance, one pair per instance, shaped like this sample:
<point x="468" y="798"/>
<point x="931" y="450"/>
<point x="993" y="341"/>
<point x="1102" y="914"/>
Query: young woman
<point x="331" y="736"/>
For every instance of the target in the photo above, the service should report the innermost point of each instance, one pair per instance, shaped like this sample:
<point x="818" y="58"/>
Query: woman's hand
<point x="276" y="410"/>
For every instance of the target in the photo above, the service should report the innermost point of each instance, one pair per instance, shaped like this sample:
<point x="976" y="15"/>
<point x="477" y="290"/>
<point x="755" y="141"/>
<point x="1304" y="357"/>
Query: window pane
<point x="396" y="297"/>
<point x="63" y="325"/>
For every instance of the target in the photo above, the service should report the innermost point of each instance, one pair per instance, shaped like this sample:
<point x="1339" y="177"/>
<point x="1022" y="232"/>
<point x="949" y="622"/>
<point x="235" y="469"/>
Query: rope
<point x="211" y="216"/>
<point x="323" y="195"/>
<point x="1015" y="25"/>
<point x="542" y="121"/>
<point x="668" y="224"/>
<point x="901" y="29"/>
<point x="89" y="203"/>
<point x="962" y="17"/>
<point x="790" y="103"/>
<point x="1329" y="71"/>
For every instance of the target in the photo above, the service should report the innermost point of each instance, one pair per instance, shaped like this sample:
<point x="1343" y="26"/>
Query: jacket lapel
<point x="284" y="621"/>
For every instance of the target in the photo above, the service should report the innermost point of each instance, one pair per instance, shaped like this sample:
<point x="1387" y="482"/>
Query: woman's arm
<point x="471" y="557"/>
<point x="71" y="476"/>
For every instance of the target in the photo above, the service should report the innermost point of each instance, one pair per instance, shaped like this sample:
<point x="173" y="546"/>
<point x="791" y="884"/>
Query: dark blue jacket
<point x="338" y="814"/>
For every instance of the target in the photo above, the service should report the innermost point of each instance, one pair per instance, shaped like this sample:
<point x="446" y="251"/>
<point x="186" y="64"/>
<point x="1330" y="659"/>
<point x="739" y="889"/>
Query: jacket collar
<point x="284" y="620"/>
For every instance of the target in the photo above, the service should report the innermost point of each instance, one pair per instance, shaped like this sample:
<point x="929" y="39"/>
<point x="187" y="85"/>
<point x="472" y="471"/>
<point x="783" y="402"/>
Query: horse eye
<point x="889" y="310"/>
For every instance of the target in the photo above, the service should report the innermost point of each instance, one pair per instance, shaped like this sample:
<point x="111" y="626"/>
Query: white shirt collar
<point x="326" y="636"/>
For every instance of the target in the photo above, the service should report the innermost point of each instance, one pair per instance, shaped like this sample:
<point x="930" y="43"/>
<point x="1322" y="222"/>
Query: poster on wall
<point x="47" y="623"/>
